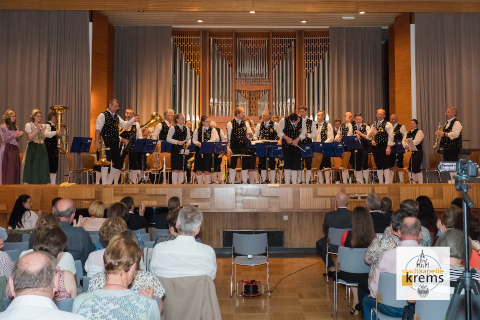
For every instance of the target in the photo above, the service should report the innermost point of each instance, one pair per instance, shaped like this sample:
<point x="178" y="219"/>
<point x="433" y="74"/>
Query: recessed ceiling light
<point x="303" y="21"/>
<point x="362" y="12"/>
<point x="199" y="20"/>
<point x="141" y="11"/>
<point x="252" y="11"/>
<point x="348" y="18"/>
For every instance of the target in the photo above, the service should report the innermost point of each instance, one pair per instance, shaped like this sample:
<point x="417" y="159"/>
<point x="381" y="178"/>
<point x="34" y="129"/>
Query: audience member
<point x="54" y="202"/>
<point x="412" y="208"/>
<point x="448" y="218"/>
<point x="97" y="217"/>
<point x="183" y="256"/>
<point x="22" y="216"/>
<point x="110" y="228"/>
<point x="52" y="241"/>
<point x="115" y="300"/>
<point x="79" y="243"/>
<point x="340" y="219"/>
<point x="34" y="281"/>
<point x="427" y="216"/>
<point x="473" y="224"/>
<point x="161" y="218"/>
<point x="360" y="236"/>
<point x="142" y="280"/>
<point x="45" y="221"/>
<point x="135" y="221"/>
<point x="119" y="209"/>
<point x="410" y="234"/>
<point x="380" y="220"/>
<point x="457" y="202"/>
<point x="172" y="228"/>
<point x="386" y="206"/>
<point x="6" y="263"/>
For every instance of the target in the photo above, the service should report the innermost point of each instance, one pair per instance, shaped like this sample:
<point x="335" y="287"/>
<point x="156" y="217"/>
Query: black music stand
<point x="80" y="145"/>
<point x="143" y="146"/>
<point x="220" y="148"/>
<point x="263" y="149"/>
<point x="353" y="144"/>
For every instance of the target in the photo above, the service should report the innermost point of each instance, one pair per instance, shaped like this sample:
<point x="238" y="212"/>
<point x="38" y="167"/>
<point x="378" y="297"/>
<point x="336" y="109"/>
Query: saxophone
<point x="437" y="139"/>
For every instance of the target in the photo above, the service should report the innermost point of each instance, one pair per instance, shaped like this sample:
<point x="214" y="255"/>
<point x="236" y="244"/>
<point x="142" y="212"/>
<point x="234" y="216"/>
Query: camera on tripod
<point x="463" y="167"/>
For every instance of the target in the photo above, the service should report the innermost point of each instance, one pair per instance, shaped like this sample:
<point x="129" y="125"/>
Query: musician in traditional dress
<point x="179" y="136"/>
<point x="381" y="134"/>
<point x="345" y="130"/>
<point x="417" y="156"/>
<point x="52" y="148"/>
<point x="399" y="132"/>
<point x="161" y="130"/>
<point x="451" y="137"/>
<point x="9" y="153"/>
<point x="324" y="134"/>
<point x="134" y="158"/>
<point x="238" y="131"/>
<point x="291" y="130"/>
<point x="203" y="162"/>
<point x="336" y="126"/>
<point x="252" y="160"/>
<point x="266" y="130"/>
<point x="359" y="159"/>
<point x="217" y="161"/>
<point x="107" y="125"/>
<point x="311" y="134"/>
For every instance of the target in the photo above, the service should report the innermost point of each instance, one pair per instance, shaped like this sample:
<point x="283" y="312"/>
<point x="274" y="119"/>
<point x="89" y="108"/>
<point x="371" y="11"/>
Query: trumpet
<point x="374" y="143"/>
<point x="437" y="139"/>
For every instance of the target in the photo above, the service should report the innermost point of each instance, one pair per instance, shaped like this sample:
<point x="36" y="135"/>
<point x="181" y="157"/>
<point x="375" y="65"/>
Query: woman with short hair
<point x="115" y="300"/>
<point x="97" y="217"/>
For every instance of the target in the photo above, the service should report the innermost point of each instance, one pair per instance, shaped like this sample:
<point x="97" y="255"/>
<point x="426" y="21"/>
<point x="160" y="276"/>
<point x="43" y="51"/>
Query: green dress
<point x="35" y="169"/>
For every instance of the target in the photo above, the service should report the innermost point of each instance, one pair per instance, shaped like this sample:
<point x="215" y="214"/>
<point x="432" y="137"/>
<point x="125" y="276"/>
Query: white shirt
<point x="457" y="128"/>
<point x="223" y="137"/>
<point x="330" y="136"/>
<point x="183" y="257"/>
<point x="256" y="135"/>
<point x="66" y="261"/>
<point x="171" y="131"/>
<point x="229" y="128"/>
<point x="356" y="126"/>
<point x="418" y="138"/>
<point x="403" y="130"/>
<point x="158" y="128"/>
<point x="101" y="121"/>
<point x="29" y="219"/>
<point x="29" y="127"/>
<point x="281" y="126"/>
<point x="312" y="135"/>
<point x="213" y="137"/>
<point x="34" y="307"/>
<point x="350" y="130"/>
<point x="388" y="128"/>
<point x="139" y="131"/>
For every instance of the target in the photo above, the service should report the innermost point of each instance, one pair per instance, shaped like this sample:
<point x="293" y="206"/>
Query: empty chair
<point x="22" y="246"/>
<point x="245" y="245"/>
<point x="86" y="281"/>
<point x="334" y="238"/>
<point x="149" y="244"/>
<point x="65" y="304"/>
<point x="14" y="254"/>
<point x="79" y="271"/>
<point x="433" y="162"/>
<point x="386" y="294"/>
<point x="145" y="237"/>
<point x="431" y="309"/>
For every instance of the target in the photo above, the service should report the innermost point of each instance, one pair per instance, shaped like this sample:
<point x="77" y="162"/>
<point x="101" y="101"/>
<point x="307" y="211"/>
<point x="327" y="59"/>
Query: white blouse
<point x="213" y="137"/>
<point x="171" y="132"/>
<point x="65" y="262"/>
<point x="29" y="127"/>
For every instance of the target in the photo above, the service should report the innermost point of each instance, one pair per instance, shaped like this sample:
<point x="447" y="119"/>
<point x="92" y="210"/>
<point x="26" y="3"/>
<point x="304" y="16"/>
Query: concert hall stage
<point x="297" y="210"/>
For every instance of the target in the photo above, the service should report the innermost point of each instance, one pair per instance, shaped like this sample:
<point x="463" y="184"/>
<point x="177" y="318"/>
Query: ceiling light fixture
<point x="252" y="11"/>
<point x="362" y="12"/>
<point x="303" y="21"/>
<point x="199" y="20"/>
<point x="348" y="18"/>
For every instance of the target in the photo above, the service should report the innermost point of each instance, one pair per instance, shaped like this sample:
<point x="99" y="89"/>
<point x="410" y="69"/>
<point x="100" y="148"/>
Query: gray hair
<point x="67" y="213"/>
<point x="386" y="204"/>
<point x="189" y="219"/>
<point x="373" y="202"/>
<point x="454" y="239"/>
<point x="411" y="229"/>
<point x="37" y="274"/>
<point x="411" y="206"/>
<point x="167" y="112"/>
<point x="397" y="218"/>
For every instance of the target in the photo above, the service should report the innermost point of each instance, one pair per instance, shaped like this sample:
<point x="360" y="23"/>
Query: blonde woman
<point x="179" y="136"/>
<point x="9" y="153"/>
<point x="96" y="219"/>
<point x="35" y="165"/>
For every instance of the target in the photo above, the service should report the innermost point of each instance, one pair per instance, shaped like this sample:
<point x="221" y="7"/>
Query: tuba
<point x="155" y="119"/>
<point x="62" y="142"/>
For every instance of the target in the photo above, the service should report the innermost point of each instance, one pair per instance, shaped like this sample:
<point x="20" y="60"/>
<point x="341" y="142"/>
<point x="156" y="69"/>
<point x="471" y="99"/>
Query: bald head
<point x="348" y="117"/>
<point x="341" y="199"/>
<point x="64" y="208"/>
<point x="411" y="229"/>
<point x="380" y="114"/>
<point x="394" y="119"/>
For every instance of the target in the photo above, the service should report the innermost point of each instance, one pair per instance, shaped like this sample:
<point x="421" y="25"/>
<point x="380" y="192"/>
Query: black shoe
<point x="331" y="274"/>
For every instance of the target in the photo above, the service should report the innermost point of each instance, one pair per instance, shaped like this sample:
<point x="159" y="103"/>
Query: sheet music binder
<point x="397" y="147"/>
<point x="80" y="145"/>
<point x="165" y="147"/>
<point x="352" y="143"/>
<point x="145" y="146"/>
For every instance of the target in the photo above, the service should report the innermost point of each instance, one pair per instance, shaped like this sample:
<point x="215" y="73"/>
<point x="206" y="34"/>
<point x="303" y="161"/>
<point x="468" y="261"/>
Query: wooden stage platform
<point x="297" y="210"/>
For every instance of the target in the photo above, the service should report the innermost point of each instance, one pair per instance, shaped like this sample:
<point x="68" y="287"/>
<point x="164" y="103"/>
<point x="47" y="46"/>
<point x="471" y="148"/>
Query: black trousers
<point x="382" y="161"/>
<point x="321" y="247"/>
<point x="134" y="160"/>
<point x="262" y="163"/>
<point x="239" y="148"/>
<point x="113" y="155"/>
<point x="217" y="162"/>
<point x="203" y="162"/>
<point x="53" y="160"/>
<point x="308" y="163"/>
<point x="326" y="163"/>
<point x="178" y="162"/>
<point x="398" y="159"/>
<point x="416" y="162"/>
<point x="292" y="158"/>
<point x="361" y="157"/>
<point x="451" y="155"/>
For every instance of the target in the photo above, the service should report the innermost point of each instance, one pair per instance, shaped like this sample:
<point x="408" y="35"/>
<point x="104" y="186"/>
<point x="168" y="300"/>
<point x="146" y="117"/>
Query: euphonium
<point x="437" y="139"/>
<point x="62" y="142"/>
<point x="155" y="119"/>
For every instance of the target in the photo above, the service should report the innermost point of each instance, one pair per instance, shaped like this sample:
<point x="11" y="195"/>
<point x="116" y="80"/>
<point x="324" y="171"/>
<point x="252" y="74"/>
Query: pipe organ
<point x="220" y="76"/>
<point x="283" y="76"/>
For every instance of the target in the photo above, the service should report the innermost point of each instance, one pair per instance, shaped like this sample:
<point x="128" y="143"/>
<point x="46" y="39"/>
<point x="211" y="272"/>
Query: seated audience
<point x="380" y="220"/>
<point x="118" y="209"/>
<point x="22" y="216"/>
<point x="64" y="259"/>
<point x="473" y="224"/>
<point x="448" y="218"/>
<point x="161" y="219"/>
<point x="360" y="236"/>
<point x="412" y="208"/>
<point x="110" y="228"/>
<point x="54" y="202"/>
<point x="340" y="219"/>
<point x="79" y="243"/>
<point x="115" y="300"/>
<point x="96" y="219"/>
<point x="183" y="256"/>
<point x="52" y="241"/>
<point x="427" y="216"/>
<point x="135" y="221"/>
<point x="172" y="228"/>
<point x="386" y="206"/>
<point x="6" y="263"/>
<point x="142" y="280"/>
<point x="410" y="234"/>
<point x="33" y="284"/>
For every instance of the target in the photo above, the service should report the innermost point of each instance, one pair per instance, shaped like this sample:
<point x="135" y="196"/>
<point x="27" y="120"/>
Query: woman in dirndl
<point x="9" y="153"/>
<point x="35" y="163"/>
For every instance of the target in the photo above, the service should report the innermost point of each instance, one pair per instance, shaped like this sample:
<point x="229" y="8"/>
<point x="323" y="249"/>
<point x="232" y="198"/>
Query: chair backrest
<point x="70" y="161"/>
<point x="387" y="286"/>
<point x="145" y="237"/>
<point x="95" y="233"/>
<point x="431" y="309"/>
<point x="345" y="159"/>
<point x="434" y="160"/>
<point x="14" y="254"/>
<point x="245" y="244"/>
<point x="94" y="238"/>
<point x="352" y="260"/>
<point x="88" y="161"/>
<point x="147" y="253"/>
<point x="149" y="244"/>
<point x="22" y="246"/>
<point x="317" y="160"/>
<point x="168" y="160"/>
<point x="65" y="305"/>
<point x="336" y="162"/>
<point x="25" y="237"/>
<point x="335" y="235"/>
<point x="86" y="281"/>
<point x="406" y="159"/>
<point x="475" y="156"/>
<point x="6" y="303"/>
<point x="79" y="270"/>
<point x="157" y="232"/>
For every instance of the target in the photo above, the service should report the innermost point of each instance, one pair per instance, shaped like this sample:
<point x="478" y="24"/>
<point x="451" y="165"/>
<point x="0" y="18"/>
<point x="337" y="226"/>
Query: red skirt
<point x="11" y="165"/>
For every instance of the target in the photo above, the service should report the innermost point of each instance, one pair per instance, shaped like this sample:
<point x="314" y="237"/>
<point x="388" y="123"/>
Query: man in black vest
<point x="238" y="131"/>
<point x="161" y="130"/>
<point x="336" y="126"/>
<point x="399" y="132"/>
<point x="291" y="130"/>
<point x="266" y="130"/>
<point x="451" y="137"/>
<point x="52" y="148"/>
<point x="324" y="134"/>
<point x="311" y="134"/>
<point x="381" y="134"/>
<point x="134" y="158"/>
<point x="359" y="159"/>
<point x="107" y="125"/>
